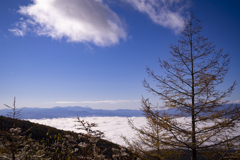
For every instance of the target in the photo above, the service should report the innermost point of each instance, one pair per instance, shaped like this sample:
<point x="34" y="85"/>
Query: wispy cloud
<point x="5" y="36"/>
<point x="167" y="13"/>
<point x="20" y="28"/>
<point x="96" y="102"/>
<point x="234" y="102"/>
<point x="76" y="20"/>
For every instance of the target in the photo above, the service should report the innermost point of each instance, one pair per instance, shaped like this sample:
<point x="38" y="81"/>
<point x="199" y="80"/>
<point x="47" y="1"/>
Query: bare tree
<point x="15" y="114"/>
<point x="203" y="119"/>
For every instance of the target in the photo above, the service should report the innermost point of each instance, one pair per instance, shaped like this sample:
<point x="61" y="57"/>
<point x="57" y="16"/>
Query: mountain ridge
<point x="72" y="111"/>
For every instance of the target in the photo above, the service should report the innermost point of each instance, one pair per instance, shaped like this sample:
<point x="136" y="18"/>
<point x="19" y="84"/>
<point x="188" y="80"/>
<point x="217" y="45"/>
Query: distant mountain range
<point x="64" y="112"/>
<point x="73" y="111"/>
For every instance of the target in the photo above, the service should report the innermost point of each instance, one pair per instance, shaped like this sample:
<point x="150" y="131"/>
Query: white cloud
<point x="76" y="20"/>
<point x="96" y="102"/>
<point x="167" y="13"/>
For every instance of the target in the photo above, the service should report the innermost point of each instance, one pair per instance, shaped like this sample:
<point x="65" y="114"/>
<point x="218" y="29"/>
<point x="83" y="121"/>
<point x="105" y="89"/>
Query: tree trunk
<point x="194" y="152"/>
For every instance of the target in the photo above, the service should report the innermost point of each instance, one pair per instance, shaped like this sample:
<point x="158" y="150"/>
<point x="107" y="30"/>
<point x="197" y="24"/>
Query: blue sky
<point x="94" y="52"/>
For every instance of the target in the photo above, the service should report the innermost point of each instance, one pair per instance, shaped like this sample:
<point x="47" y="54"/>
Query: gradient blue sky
<point x="94" y="52"/>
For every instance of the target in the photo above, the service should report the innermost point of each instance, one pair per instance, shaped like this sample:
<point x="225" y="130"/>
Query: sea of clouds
<point x="113" y="127"/>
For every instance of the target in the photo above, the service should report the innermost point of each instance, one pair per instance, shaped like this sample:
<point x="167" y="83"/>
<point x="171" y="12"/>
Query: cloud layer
<point x="97" y="102"/>
<point x="77" y="21"/>
<point x="167" y="13"/>
<point x="113" y="127"/>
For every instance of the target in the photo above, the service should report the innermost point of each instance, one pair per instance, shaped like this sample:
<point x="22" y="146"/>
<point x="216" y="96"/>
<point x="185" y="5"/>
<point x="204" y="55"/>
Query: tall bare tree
<point x="203" y="119"/>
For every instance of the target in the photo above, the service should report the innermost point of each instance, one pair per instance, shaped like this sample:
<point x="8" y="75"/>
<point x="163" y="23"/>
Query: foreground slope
<point x="38" y="132"/>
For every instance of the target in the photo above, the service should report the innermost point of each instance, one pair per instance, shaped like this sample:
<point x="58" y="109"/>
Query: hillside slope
<point x="38" y="132"/>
